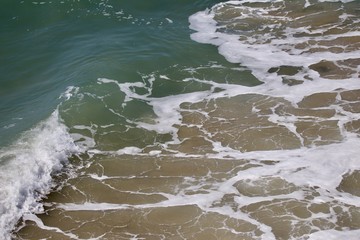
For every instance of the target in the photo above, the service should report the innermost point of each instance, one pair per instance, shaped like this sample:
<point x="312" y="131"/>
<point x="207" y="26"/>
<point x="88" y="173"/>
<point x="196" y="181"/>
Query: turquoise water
<point x="48" y="46"/>
<point x="262" y="94"/>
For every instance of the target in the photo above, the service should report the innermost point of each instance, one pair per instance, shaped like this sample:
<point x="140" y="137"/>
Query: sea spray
<point x="26" y="169"/>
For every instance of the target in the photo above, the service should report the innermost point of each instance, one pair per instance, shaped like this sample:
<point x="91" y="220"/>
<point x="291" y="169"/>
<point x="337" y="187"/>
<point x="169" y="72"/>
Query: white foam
<point x="41" y="225"/>
<point x="26" y="168"/>
<point x="259" y="55"/>
<point x="92" y="206"/>
<point x="335" y="235"/>
<point x="128" y="150"/>
<point x="169" y="20"/>
<point x="166" y="108"/>
<point x="70" y="91"/>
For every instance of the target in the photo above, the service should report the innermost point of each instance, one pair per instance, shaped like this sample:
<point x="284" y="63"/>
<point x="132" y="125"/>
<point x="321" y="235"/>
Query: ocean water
<point x="180" y="119"/>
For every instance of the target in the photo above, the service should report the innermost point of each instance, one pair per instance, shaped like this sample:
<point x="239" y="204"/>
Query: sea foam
<point x="266" y="39"/>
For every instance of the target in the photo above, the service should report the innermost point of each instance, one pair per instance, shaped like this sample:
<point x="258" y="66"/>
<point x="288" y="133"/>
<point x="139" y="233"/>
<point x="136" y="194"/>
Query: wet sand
<point x="167" y="196"/>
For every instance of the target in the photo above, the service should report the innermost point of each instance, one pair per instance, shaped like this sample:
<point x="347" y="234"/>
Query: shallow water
<point x="156" y="136"/>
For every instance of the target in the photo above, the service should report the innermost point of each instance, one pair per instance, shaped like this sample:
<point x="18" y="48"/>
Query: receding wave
<point x="287" y="43"/>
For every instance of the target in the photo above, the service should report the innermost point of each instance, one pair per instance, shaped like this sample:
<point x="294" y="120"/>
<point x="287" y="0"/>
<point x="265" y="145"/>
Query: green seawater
<point x="47" y="46"/>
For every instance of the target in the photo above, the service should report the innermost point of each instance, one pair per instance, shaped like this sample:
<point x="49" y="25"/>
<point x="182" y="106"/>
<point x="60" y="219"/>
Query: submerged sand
<point x="152" y="195"/>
